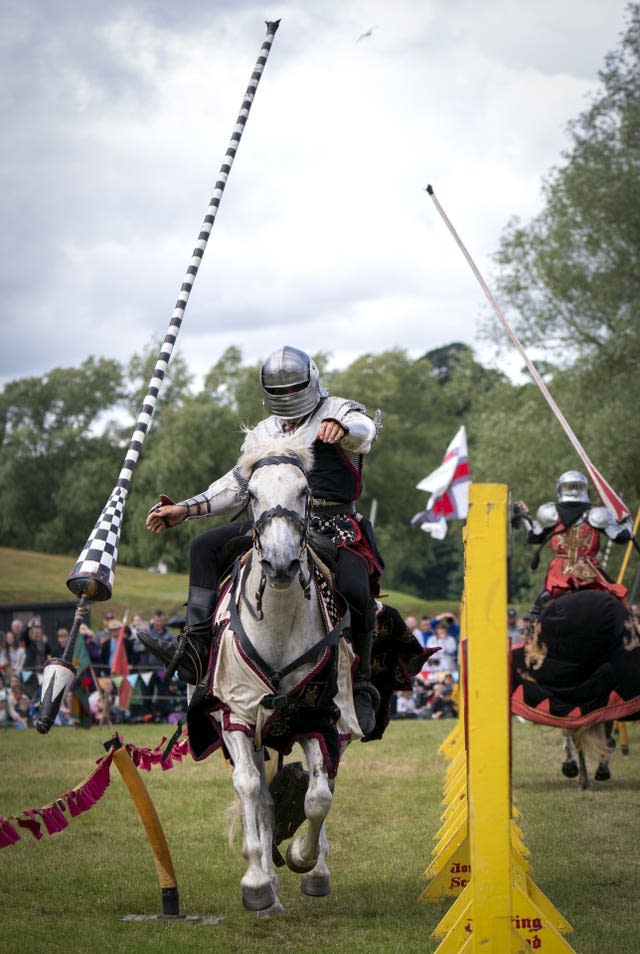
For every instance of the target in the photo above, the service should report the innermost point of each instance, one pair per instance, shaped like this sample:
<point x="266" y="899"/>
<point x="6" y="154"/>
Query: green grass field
<point x="69" y="892"/>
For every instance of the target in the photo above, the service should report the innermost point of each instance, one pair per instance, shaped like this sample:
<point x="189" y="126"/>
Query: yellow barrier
<point x="479" y="857"/>
<point x="628" y="549"/>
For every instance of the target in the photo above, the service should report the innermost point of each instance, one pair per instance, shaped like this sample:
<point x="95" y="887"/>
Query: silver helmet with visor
<point x="572" y="487"/>
<point x="290" y="384"/>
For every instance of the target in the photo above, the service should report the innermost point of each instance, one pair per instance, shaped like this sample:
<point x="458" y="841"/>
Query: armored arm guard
<point x="224" y="496"/>
<point x="601" y="519"/>
<point x="361" y="430"/>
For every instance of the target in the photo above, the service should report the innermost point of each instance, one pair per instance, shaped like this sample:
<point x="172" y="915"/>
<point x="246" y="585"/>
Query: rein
<point x="275" y="676"/>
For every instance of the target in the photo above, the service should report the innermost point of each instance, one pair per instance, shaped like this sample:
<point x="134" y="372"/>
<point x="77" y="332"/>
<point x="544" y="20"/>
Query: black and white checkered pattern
<point x="94" y="571"/>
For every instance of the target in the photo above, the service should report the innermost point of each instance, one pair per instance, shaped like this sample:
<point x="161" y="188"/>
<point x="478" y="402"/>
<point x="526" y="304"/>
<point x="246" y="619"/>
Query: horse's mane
<point x="256" y="447"/>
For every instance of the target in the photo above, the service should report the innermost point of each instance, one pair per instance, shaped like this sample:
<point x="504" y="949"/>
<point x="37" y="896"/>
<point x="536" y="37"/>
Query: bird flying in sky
<point x="368" y="33"/>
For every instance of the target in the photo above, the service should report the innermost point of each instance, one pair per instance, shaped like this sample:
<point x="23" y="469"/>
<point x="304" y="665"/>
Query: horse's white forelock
<point x="256" y="447"/>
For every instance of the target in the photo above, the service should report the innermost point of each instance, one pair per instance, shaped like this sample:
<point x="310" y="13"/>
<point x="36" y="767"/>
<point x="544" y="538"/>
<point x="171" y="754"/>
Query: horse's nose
<point x="280" y="573"/>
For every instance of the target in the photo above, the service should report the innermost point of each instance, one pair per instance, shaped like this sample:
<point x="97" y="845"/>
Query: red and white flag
<point x="120" y="667"/>
<point x="449" y="489"/>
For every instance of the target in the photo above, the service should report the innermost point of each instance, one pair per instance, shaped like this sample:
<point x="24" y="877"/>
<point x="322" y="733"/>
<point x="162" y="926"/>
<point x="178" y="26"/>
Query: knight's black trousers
<point x="352" y="578"/>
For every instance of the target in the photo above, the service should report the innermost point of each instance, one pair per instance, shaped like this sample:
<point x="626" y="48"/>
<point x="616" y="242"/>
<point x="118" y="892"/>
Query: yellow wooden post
<point x="623" y="736"/>
<point x="488" y="720"/>
<point x="498" y="909"/>
<point x="628" y="549"/>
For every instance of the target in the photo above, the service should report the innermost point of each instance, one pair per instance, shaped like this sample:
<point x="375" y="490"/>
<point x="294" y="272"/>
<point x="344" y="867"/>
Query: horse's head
<point x="276" y="475"/>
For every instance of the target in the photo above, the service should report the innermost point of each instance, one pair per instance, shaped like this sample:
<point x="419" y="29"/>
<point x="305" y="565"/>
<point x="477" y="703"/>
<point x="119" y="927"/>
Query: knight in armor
<point x="341" y="433"/>
<point x="572" y="528"/>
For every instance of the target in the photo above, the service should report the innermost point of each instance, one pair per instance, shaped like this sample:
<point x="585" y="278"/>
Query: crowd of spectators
<point x="102" y="693"/>
<point x="96" y="698"/>
<point x="435" y="688"/>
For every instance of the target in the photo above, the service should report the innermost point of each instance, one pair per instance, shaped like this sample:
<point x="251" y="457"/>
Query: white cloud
<point x="120" y="116"/>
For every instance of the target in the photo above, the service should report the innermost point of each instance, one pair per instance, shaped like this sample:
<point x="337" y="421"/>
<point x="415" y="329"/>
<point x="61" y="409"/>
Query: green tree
<point x="423" y="403"/>
<point x="50" y="429"/>
<point x="176" y="385"/>
<point x="572" y="276"/>
<point x="570" y="283"/>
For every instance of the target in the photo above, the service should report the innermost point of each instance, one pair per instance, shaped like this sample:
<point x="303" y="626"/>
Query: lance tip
<point x="429" y="189"/>
<point x="272" y="25"/>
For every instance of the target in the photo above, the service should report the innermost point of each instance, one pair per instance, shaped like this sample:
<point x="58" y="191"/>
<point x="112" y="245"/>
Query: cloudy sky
<point x="117" y="116"/>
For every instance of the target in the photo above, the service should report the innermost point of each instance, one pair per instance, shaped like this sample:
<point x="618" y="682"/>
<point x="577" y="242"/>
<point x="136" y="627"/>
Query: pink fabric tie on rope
<point x="84" y="796"/>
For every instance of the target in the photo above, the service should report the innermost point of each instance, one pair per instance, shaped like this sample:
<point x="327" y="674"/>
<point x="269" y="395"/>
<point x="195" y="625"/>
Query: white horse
<point x="275" y="644"/>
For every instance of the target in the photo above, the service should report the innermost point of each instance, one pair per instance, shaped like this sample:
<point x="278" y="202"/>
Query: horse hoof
<point x="295" y="864"/>
<point x="602" y="773"/>
<point x="276" y="908"/>
<point x="570" y="768"/>
<point x="624" y="749"/>
<point x="258" y="899"/>
<point x="316" y="886"/>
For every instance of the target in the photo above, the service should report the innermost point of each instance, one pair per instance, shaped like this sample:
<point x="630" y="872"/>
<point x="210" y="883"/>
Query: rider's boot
<point x="366" y="697"/>
<point x="189" y="654"/>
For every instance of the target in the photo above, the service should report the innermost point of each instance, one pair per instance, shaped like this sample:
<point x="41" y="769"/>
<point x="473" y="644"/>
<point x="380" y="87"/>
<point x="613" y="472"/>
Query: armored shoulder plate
<point x="547" y="514"/>
<point x="599" y="517"/>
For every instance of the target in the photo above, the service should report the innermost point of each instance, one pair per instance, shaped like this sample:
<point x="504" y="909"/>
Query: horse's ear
<point x="248" y="452"/>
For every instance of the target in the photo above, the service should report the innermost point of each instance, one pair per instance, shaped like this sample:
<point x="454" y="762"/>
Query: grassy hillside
<point x="41" y="577"/>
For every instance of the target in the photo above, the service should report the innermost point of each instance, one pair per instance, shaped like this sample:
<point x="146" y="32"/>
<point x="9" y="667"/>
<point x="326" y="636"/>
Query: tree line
<point x="569" y="282"/>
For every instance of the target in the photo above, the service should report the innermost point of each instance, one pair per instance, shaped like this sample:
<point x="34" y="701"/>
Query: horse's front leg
<point x="608" y="744"/>
<point x="258" y="881"/>
<point x="570" y="765"/>
<point x="316" y="883"/>
<point x="303" y="852"/>
<point x="583" y="777"/>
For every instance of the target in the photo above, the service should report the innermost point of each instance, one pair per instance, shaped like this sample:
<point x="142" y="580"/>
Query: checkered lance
<point x="92" y="576"/>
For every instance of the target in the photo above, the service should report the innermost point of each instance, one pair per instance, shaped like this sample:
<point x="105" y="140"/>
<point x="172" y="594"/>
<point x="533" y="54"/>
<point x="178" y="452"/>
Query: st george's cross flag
<point x="449" y="489"/>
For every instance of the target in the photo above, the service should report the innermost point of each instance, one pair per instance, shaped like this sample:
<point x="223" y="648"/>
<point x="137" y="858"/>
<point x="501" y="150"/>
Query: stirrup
<point x="190" y="658"/>
<point x="366" y="700"/>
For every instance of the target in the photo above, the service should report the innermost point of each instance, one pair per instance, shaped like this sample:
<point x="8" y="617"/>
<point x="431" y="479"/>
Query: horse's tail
<point x="233" y="820"/>
<point x="592" y="739"/>
<point x="232" y="813"/>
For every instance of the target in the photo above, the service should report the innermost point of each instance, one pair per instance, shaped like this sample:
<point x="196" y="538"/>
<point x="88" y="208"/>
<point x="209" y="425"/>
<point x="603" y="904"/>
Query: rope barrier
<point x="87" y="793"/>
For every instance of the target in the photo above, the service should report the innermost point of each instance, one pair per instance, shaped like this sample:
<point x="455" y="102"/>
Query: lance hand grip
<point x="59" y="675"/>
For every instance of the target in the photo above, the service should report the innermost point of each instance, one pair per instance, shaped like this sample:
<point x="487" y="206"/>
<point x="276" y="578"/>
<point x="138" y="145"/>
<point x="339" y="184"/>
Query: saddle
<point x="584" y="668"/>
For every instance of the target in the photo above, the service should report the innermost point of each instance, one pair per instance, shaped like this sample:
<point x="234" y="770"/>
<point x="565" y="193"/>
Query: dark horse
<point x="579" y="669"/>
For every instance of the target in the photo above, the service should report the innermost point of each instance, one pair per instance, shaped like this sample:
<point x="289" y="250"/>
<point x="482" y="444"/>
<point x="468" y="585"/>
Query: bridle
<point x="277" y="699"/>
<point x="301" y="521"/>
